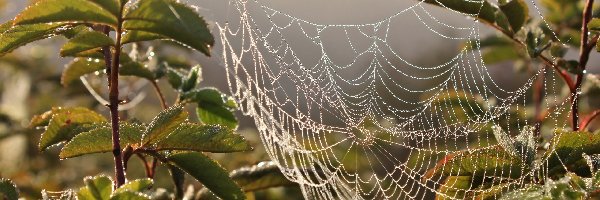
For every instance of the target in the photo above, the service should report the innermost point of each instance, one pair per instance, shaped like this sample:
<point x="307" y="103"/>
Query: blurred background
<point x="30" y="84"/>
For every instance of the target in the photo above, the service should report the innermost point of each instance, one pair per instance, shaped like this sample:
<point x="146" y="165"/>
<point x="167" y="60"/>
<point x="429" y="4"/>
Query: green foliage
<point x="494" y="161"/>
<point x="84" y="41"/>
<point x="71" y="11"/>
<point x="163" y="124"/>
<point x="208" y="172"/>
<point x="257" y="177"/>
<point x="99" y="140"/>
<point x="101" y="188"/>
<point x="8" y="190"/>
<point x="65" y="123"/>
<point x="213" y="107"/>
<point x="13" y="37"/>
<point x="454" y="187"/>
<point x="79" y="67"/>
<point x="206" y="138"/>
<point x="171" y="20"/>
<point x="516" y="12"/>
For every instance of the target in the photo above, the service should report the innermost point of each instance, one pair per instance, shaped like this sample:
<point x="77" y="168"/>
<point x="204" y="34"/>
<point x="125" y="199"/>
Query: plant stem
<point x="114" y="105"/>
<point x="160" y="95"/>
<point x="587" y="120"/>
<point x="584" y="55"/>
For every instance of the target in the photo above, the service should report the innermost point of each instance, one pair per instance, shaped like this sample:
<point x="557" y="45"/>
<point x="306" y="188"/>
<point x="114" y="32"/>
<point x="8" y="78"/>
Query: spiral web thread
<point x="371" y="126"/>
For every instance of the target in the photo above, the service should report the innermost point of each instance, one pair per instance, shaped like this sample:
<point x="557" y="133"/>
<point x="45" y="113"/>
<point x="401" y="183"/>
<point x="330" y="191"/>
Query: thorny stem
<point x="584" y="55"/>
<point x="113" y="84"/>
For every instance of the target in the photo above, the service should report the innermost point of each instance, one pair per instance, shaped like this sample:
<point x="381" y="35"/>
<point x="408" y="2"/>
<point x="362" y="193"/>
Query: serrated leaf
<point x="517" y="13"/>
<point x="112" y="6"/>
<point x="479" y="9"/>
<point x="163" y="124"/>
<point x="209" y="173"/>
<point x="206" y="138"/>
<point x="140" y="36"/>
<point x="99" y="140"/>
<point x="454" y="187"/>
<point x="129" y="195"/>
<point x="79" y="67"/>
<point x="192" y="80"/>
<point x="138" y="185"/>
<point x="257" y="177"/>
<point x="96" y="188"/>
<point x="494" y="161"/>
<point x="13" y="37"/>
<point x="212" y="107"/>
<point x="71" y="11"/>
<point x="136" y="69"/>
<point x="68" y="122"/>
<point x="175" y="78"/>
<point x="8" y="190"/>
<point x="569" y="146"/>
<point x="172" y="20"/>
<point x="85" y="41"/>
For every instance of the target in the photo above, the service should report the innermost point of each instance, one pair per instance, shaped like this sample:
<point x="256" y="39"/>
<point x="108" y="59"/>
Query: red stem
<point x="588" y="119"/>
<point x="584" y="55"/>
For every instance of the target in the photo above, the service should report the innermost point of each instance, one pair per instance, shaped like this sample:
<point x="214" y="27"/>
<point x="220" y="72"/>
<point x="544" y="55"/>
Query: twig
<point x="588" y="119"/>
<point x="160" y="95"/>
<point x="584" y="55"/>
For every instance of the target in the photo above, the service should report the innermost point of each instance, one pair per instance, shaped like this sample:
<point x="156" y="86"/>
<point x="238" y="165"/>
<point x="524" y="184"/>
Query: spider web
<point x="369" y="126"/>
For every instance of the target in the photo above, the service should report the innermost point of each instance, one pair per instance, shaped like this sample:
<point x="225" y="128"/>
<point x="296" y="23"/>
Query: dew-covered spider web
<point x="346" y="114"/>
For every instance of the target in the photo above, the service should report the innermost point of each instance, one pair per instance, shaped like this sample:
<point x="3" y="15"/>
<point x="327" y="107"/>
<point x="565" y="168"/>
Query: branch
<point x="588" y="119"/>
<point x="584" y="56"/>
<point x="160" y="95"/>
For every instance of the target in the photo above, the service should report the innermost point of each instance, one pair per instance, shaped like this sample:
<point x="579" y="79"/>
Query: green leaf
<point x="136" y="69"/>
<point x="138" y="185"/>
<point x="192" y="80"/>
<point x="13" y="37"/>
<point x="85" y="41"/>
<point x="257" y="177"/>
<point x="212" y="108"/>
<point x="71" y="11"/>
<point x="68" y="122"/>
<point x="129" y="195"/>
<point x="99" y="140"/>
<point x="209" y="173"/>
<point x="110" y="5"/>
<point x="163" y="124"/>
<point x="493" y="161"/>
<point x="569" y="146"/>
<point x="8" y="190"/>
<point x="79" y="67"/>
<point x="140" y="36"/>
<point x="175" y="78"/>
<point x="516" y="12"/>
<point x="172" y="20"/>
<point x="594" y="24"/>
<point x="479" y="9"/>
<point x="499" y="54"/>
<point x="96" y="188"/>
<point x="207" y="138"/>
<point x="454" y="187"/>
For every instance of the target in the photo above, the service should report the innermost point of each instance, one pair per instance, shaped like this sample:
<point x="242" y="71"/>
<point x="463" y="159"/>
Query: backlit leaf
<point x="207" y="138"/>
<point x="172" y="20"/>
<point x="129" y="195"/>
<point x="96" y="188"/>
<point x="492" y="161"/>
<point x="99" y="140"/>
<point x="13" y="37"/>
<point x="454" y="187"/>
<point x="257" y="177"/>
<point x="8" y="190"/>
<point x="135" y="69"/>
<point x="140" y="36"/>
<point x="209" y="173"/>
<point x="163" y="124"/>
<point x="68" y="122"/>
<point x="80" y="67"/>
<point x="85" y="41"/>
<point x="479" y="9"/>
<point x="137" y="185"/>
<point x="72" y="11"/>
<point x="516" y="12"/>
